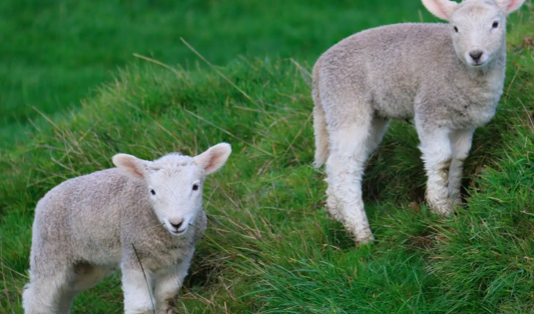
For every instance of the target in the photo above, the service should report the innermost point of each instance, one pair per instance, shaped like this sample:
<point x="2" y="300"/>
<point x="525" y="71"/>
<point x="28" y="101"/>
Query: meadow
<point x="73" y="94"/>
<point x="56" y="52"/>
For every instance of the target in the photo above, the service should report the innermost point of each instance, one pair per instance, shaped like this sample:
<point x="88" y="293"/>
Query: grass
<point x="55" y="52"/>
<point x="270" y="247"/>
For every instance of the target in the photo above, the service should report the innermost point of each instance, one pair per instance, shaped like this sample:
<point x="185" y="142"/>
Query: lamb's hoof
<point x="442" y="210"/>
<point x="169" y="308"/>
<point x="440" y="207"/>
<point x="364" y="237"/>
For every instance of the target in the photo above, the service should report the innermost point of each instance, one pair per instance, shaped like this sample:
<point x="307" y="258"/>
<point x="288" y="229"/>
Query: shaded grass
<point x="270" y="247"/>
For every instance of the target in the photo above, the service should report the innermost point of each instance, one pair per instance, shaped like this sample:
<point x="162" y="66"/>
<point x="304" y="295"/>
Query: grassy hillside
<point x="56" y="52"/>
<point x="269" y="247"/>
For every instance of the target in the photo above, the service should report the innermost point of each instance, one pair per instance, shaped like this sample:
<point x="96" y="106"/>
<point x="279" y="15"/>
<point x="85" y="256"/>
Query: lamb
<point x="447" y="77"/>
<point x="143" y="216"/>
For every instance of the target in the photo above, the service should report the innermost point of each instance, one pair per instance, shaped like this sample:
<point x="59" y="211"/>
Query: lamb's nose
<point x="177" y="225"/>
<point x="476" y="55"/>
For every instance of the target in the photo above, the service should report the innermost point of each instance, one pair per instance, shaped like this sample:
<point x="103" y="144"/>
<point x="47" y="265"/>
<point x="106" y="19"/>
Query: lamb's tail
<point x="319" y="122"/>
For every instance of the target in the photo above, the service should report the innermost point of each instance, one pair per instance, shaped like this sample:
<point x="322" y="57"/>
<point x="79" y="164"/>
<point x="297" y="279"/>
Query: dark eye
<point x="153" y="192"/>
<point x="456" y="29"/>
<point x="495" y="24"/>
<point x="195" y="187"/>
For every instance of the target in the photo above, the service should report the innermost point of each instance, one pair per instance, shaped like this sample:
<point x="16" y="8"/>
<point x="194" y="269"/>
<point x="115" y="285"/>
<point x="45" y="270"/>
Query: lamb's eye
<point x="152" y="192"/>
<point x="495" y="24"/>
<point x="456" y="29"/>
<point x="195" y="187"/>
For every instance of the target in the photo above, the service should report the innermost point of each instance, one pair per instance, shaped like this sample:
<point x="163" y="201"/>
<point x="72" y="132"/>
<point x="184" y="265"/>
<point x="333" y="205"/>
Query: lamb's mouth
<point x="178" y="232"/>
<point x="478" y="64"/>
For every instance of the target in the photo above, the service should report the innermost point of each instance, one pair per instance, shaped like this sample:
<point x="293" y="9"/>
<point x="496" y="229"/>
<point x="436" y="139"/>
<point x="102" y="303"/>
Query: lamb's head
<point x="478" y="27"/>
<point x="174" y="183"/>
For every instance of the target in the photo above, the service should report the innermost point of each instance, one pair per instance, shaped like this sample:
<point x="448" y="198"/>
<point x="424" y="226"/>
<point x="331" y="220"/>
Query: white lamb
<point x="448" y="77"/>
<point x="143" y="216"/>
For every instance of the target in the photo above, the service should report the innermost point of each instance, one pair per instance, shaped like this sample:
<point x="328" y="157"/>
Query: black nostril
<point x="476" y="55"/>
<point x="177" y="226"/>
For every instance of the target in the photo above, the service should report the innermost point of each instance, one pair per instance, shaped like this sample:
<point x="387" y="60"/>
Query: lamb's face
<point x="175" y="192"/>
<point x="478" y="27"/>
<point x="174" y="183"/>
<point x="478" y="30"/>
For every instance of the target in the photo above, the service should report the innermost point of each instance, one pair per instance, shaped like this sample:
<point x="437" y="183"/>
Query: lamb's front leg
<point x="461" y="144"/>
<point x="437" y="155"/>
<point x="168" y="284"/>
<point x="137" y="291"/>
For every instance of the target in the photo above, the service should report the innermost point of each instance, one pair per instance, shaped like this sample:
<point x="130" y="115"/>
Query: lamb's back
<point x="392" y="67"/>
<point x="81" y="217"/>
<point x="399" y="49"/>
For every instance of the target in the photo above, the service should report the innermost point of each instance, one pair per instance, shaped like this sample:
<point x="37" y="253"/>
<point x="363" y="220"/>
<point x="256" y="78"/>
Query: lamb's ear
<point x="442" y="9"/>
<point x="131" y="165"/>
<point x="214" y="158"/>
<point x="509" y="6"/>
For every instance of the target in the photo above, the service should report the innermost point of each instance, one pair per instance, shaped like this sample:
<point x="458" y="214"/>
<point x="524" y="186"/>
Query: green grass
<point x="56" y="52"/>
<point x="270" y="247"/>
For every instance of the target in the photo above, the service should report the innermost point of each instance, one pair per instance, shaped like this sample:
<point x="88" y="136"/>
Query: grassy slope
<point x="270" y="247"/>
<point x="55" y="52"/>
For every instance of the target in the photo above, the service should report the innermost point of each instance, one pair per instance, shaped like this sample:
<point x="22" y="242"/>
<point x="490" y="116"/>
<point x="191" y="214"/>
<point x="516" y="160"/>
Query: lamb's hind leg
<point x="349" y="148"/>
<point x="49" y="294"/>
<point x="437" y="155"/>
<point x="461" y="144"/>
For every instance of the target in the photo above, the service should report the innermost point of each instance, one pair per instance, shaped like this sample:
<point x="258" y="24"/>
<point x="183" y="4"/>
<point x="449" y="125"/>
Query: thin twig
<point x="219" y="72"/>
<point x="46" y="118"/>
<point x="298" y="134"/>
<point x="526" y="112"/>
<point x="306" y="76"/>
<point x="158" y="63"/>
<point x="4" y="280"/>
<point x="225" y="131"/>
<point x="249" y="109"/>
<point x="146" y="280"/>
<point x="14" y="271"/>
<point x="512" y="82"/>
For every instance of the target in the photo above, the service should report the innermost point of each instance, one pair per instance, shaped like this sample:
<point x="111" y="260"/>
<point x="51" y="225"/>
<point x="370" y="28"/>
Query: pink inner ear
<point x="513" y="4"/>
<point x="212" y="163"/>
<point x="137" y="173"/>
<point x="440" y="10"/>
<point x="132" y="166"/>
<point x="509" y="5"/>
<point x="214" y="158"/>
